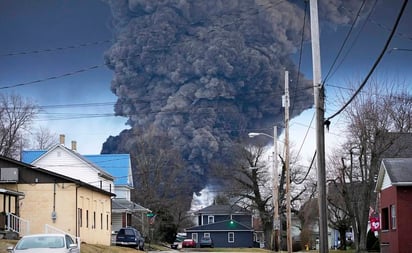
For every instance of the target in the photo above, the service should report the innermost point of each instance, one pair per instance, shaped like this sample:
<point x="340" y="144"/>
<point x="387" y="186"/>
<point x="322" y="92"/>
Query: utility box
<point x="9" y="174"/>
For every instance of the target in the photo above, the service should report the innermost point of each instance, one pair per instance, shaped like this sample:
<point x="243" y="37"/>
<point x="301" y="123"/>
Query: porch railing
<point x="48" y="229"/>
<point x="16" y="224"/>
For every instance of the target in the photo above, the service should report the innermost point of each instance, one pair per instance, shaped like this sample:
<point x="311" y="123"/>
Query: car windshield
<point x="40" y="242"/>
<point x="128" y="232"/>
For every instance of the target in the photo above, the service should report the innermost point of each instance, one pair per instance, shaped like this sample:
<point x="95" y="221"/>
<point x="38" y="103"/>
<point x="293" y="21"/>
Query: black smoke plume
<point x="206" y="72"/>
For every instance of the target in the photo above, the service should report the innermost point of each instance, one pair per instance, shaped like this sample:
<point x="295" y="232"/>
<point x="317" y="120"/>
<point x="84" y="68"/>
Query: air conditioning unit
<point x="9" y="174"/>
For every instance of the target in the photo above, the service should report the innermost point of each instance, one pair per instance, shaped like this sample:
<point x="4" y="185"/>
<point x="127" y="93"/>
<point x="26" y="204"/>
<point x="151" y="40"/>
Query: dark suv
<point x="130" y="237"/>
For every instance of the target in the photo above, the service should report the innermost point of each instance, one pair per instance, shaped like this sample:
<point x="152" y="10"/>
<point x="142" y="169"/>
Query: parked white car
<point x="43" y="243"/>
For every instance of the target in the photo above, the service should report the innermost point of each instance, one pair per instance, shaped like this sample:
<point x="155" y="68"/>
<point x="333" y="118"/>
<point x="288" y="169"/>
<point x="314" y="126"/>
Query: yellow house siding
<point x="97" y="207"/>
<point x="37" y="207"/>
<point x="42" y="199"/>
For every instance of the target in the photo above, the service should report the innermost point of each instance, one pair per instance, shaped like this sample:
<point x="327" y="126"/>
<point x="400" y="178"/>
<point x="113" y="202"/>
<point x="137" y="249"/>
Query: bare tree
<point x="44" y="139"/>
<point x="161" y="182"/>
<point x="371" y="119"/>
<point x="249" y="182"/>
<point x="16" y="117"/>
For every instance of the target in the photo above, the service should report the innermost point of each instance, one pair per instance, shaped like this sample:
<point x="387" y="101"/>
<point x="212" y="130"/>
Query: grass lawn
<point x="84" y="248"/>
<point x="91" y="248"/>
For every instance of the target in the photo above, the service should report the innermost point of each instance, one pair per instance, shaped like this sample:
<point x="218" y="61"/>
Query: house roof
<point x="114" y="166"/>
<point x="117" y="165"/>
<point x="121" y="205"/>
<point x="222" y="209"/>
<point x="56" y="175"/>
<point x="29" y="156"/>
<point x="226" y="225"/>
<point x="399" y="171"/>
<point x="10" y="192"/>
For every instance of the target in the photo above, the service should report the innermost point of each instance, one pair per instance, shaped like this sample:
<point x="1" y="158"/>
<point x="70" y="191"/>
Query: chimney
<point x="62" y="139"/>
<point x="74" y="145"/>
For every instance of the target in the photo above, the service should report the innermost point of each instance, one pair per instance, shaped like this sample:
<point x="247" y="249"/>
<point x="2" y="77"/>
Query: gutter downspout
<point x="77" y="212"/>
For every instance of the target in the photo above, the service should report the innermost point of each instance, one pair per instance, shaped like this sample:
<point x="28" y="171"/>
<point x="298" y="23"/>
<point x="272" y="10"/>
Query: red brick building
<point x="394" y="187"/>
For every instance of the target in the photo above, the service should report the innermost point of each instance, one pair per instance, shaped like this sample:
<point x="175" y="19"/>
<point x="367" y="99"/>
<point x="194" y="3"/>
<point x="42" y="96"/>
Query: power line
<point x="47" y="50"/>
<point x="376" y="62"/>
<point x="345" y="40"/>
<point x="304" y="138"/>
<point x="382" y="26"/>
<point x="77" y="105"/>
<point x="52" y="77"/>
<point x="300" y="55"/>
<point x="355" y="39"/>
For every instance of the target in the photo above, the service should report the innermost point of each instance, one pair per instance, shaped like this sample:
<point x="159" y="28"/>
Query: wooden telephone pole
<point x="320" y="131"/>
<point x="287" y="167"/>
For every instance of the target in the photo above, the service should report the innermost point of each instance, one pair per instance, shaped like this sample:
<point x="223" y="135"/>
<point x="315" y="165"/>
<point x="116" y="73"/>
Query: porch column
<point x="17" y="205"/>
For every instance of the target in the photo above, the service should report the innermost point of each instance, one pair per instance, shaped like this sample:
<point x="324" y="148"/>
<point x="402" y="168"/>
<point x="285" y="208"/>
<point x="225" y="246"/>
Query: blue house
<point x="229" y="226"/>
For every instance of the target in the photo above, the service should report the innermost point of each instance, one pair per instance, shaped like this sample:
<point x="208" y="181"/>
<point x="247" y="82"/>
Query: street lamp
<point x="276" y="222"/>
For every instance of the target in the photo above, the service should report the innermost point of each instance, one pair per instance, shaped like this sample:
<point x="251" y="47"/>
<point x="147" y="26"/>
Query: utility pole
<point x="287" y="167"/>
<point x="276" y="221"/>
<point x="320" y="131"/>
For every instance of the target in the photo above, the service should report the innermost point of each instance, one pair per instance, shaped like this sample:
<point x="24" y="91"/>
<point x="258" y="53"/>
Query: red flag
<point x="375" y="223"/>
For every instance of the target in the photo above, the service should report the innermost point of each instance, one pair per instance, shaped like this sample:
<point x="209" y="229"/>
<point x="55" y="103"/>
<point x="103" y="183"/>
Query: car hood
<point x="43" y="250"/>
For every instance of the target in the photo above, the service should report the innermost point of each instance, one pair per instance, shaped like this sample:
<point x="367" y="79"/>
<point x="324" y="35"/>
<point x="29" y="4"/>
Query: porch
<point x="11" y="225"/>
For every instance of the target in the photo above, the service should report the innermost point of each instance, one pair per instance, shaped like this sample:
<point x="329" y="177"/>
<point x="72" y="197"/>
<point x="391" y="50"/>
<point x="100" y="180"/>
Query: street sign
<point x="150" y="215"/>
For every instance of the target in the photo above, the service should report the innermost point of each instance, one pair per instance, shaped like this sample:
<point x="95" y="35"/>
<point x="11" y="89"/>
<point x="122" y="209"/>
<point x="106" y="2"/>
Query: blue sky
<point x="35" y="25"/>
<point x="27" y="25"/>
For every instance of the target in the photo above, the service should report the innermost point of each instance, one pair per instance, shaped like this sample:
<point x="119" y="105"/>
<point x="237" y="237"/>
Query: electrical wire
<point x="310" y="167"/>
<point x="382" y="26"/>
<point x="400" y="14"/>
<point x="300" y="56"/>
<point x="304" y="138"/>
<point x="52" y="77"/>
<point x="345" y="40"/>
<point x="355" y="39"/>
<point x="47" y="50"/>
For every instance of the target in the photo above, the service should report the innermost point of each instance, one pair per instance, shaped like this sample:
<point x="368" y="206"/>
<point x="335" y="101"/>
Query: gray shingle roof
<point x="222" y="209"/>
<point x="123" y="204"/>
<point x="399" y="170"/>
<point x="227" y="225"/>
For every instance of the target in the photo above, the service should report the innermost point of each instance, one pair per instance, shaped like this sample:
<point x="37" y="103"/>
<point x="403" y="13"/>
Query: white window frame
<point x="195" y="236"/>
<point x="206" y="235"/>
<point x="210" y="219"/>
<point x="231" y="237"/>
<point x="393" y="216"/>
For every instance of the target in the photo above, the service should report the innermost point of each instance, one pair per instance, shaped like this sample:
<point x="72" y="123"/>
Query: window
<point x="87" y="218"/>
<point x="101" y="221"/>
<point x="393" y="216"/>
<point x="231" y="237"/>
<point x="385" y="219"/>
<point x="210" y="219"/>
<point x="94" y="220"/>
<point x="206" y="235"/>
<point x="194" y="236"/>
<point x="80" y="214"/>
<point x="69" y="241"/>
<point x="107" y="222"/>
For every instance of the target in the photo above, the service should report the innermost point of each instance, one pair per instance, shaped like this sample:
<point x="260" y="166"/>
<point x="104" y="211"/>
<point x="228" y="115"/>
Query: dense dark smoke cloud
<point x="205" y="72"/>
